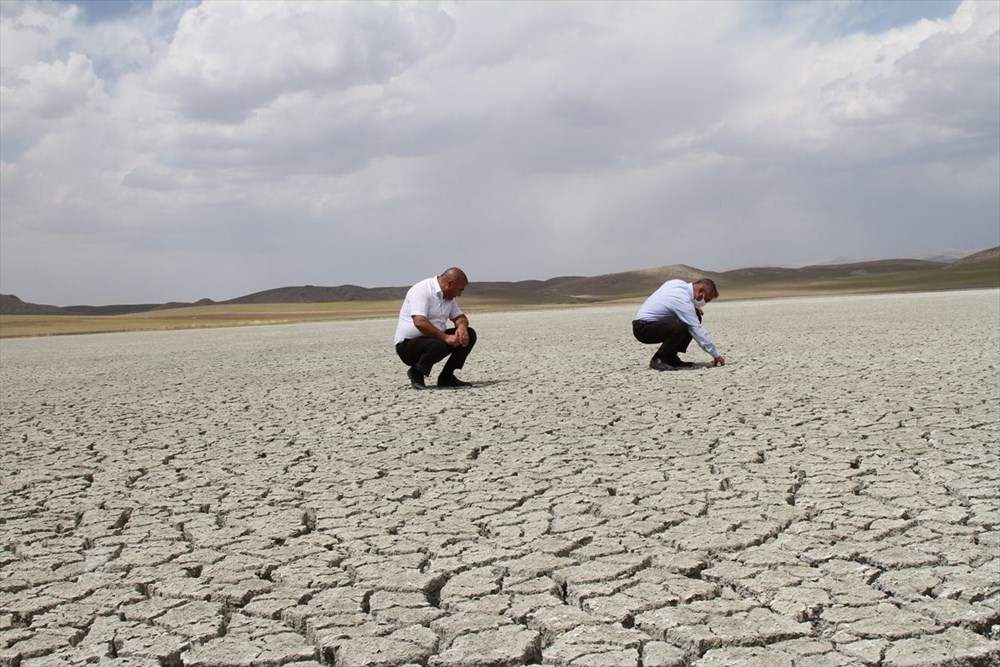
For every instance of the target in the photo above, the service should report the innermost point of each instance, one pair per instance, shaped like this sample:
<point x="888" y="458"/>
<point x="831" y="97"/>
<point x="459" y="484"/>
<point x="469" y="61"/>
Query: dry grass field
<point x="196" y="317"/>
<point x="227" y="315"/>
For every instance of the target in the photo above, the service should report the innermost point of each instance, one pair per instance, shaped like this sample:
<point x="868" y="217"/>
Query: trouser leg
<point x="422" y="353"/>
<point x="456" y="359"/>
<point x="672" y="335"/>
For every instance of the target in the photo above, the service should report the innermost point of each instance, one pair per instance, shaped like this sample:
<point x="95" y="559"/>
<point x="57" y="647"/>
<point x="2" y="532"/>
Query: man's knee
<point x="436" y="349"/>
<point x="472" y="338"/>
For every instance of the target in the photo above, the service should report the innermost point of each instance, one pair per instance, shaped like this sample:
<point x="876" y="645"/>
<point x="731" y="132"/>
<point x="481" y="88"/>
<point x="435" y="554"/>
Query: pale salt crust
<point x="278" y="495"/>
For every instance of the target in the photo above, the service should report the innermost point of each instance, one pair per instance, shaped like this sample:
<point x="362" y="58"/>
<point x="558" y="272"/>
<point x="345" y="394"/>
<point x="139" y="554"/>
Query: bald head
<point x="455" y="274"/>
<point x="453" y="282"/>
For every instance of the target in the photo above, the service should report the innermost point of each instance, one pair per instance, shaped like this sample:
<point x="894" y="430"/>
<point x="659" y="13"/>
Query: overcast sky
<point x="179" y="150"/>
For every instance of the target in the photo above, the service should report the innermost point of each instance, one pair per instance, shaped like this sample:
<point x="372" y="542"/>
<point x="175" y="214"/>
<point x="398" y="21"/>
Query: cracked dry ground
<point x="279" y="496"/>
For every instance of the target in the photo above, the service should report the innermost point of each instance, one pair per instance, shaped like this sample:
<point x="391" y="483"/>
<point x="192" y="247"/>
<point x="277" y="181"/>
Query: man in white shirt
<point x="422" y="338"/>
<point x="671" y="316"/>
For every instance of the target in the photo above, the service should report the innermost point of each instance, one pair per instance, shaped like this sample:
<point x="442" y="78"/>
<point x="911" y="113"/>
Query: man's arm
<point x="462" y="330"/>
<point x="425" y="327"/>
<point x="701" y="336"/>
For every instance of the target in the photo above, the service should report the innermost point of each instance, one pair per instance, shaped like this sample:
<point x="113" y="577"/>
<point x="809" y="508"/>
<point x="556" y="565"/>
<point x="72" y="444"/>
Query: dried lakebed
<point x="280" y="496"/>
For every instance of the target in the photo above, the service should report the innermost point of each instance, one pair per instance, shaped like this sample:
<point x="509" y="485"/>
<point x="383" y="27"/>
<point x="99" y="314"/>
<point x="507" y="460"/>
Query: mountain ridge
<point x="558" y="290"/>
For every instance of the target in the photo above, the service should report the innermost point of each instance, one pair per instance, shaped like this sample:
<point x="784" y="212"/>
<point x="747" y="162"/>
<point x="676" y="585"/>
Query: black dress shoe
<point x="416" y="379"/>
<point x="676" y="362"/>
<point x="451" y="381"/>
<point x="658" y="364"/>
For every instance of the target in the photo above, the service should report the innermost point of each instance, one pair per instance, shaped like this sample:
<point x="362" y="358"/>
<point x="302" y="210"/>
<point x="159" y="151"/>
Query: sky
<point x="173" y="151"/>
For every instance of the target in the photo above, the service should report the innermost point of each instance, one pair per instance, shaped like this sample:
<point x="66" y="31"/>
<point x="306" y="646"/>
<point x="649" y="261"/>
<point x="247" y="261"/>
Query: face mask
<point x="699" y="303"/>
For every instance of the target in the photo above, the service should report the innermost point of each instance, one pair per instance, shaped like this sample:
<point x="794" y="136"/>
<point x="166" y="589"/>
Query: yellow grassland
<point x="225" y="315"/>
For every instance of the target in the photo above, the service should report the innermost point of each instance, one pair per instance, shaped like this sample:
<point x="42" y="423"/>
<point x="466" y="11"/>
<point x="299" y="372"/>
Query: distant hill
<point x="947" y="256"/>
<point x="11" y="305"/>
<point x="826" y="271"/>
<point x="577" y="289"/>
<point x="980" y="269"/>
<point x="988" y="256"/>
<point x="312" y="294"/>
<point x="628" y="283"/>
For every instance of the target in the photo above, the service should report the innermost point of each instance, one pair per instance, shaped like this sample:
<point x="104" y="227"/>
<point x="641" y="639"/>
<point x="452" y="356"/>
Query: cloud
<point x="374" y="143"/>
<point x="33" y="31"/>
<point x="228" y="59"/>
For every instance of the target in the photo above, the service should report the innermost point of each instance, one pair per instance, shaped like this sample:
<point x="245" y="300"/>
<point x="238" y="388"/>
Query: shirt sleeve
<point x="455" y="311"/>
<point x="690" y="318"/>
<point x="419" y="303"/>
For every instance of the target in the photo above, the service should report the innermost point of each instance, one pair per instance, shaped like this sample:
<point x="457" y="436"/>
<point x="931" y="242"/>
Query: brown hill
<point x="11" y="305"/>
<point x="624" y="284"/>
<point x="981" y="269"/>
<point x="825" y="271"/>
<point x="314" y="294"/>
<point x="524" y="291"/>
<point x="988" y="256"/>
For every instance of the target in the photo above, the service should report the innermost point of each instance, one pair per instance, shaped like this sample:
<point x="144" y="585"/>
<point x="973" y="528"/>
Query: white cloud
<point x="369" y="143"/>
<point x="42" y="95"/>
<point x="33" y="31"/>
<point x="228" y="59"/>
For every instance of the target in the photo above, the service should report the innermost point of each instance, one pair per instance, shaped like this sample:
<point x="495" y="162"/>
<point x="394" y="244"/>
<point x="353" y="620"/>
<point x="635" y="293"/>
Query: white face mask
<point x="699" y="303"/>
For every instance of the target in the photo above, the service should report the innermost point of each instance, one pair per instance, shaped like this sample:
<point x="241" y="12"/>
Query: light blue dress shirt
<point x="675" y="299"/>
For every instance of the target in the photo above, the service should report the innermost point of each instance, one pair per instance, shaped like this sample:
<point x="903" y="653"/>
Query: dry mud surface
<point x="280" y="496"/>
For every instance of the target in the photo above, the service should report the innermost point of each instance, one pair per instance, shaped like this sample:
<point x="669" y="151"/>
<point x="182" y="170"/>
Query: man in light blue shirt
<point x="671" y="316"/>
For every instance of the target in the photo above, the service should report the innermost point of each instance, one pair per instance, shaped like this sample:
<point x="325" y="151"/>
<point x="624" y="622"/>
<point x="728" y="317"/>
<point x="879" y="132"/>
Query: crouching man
<point x="422" y="338"/>
<point x="671" y="317"/>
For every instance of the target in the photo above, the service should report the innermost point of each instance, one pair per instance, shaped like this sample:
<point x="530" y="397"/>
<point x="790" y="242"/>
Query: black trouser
<point x="672" y="334"/>
<point x="424" y="352"/>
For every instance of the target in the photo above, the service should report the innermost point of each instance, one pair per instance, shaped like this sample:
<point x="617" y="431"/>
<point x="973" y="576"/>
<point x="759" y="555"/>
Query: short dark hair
<point x="709" y="285"/>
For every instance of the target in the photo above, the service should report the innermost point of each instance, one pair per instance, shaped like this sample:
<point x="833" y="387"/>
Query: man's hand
<point x="719" y="361"/>
<point x="461" y="335"/>
<point x="458" y="339"/>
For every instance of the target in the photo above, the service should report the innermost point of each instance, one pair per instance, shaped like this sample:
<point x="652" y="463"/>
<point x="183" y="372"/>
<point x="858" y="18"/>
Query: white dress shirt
<point x="425" y="298"/>
<point x="675" y="299"/>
